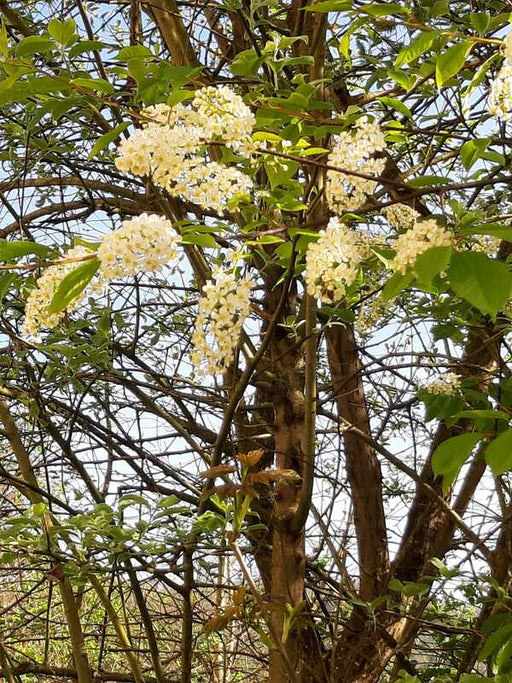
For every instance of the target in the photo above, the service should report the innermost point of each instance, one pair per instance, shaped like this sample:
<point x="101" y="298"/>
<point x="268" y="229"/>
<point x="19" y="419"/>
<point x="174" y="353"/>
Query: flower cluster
<point x="422" y="236"/>
<point x="142" y="244"/>
<point x="145" y="243"/>
<point x="332" y="262"/>
<point x="37" y="314"/>
<point x="448" y="384"/>
<point x="171" y="146"/>
<point x="500" y="98"/>
<point x="222" y="311"/>
<point x="354" y="154"/>
<point x="400" y="216"/>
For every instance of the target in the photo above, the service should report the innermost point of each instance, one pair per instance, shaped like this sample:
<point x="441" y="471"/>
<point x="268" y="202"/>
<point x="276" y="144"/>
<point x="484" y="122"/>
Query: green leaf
<point x="131" y="51"/>
<point x="34" y="44"/>
<point x="85" y="46"/>
<point x="480" y="21"/>
<point x="199" y="239"/>
<point x="431" y="262"/>
<point x="96" y="84"/>
<point x="62" y="31"/>
<point x="450" y="455"/>
<point x="494" y="229"/>
<point x="488" y="414"/>
<point x="472" y="150"/>
<point x="4" y="41"/>
<point x="416" y="48"/>
<point x="397" y="105"/>
<point x="483" y="282"/>
<point x="382" y="9"/>
<point x="73" y="285"/>
<point x="104" y="141"/>
<point x="427" y="180"/>
<point x="449" y="63"/>
<point x="6" y="279"/>
<point x="13" y="250"/>
<point x="396" y="284"/>
<point x="496" y="640"/>
<point x="246" y="63"/>
<point x="498" y="454"/>
<point x="180" y="75"/>
<point x="167" y="502"/>
<point x="330" y="6"/>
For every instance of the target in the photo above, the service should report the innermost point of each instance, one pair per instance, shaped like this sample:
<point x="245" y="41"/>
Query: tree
<point x="255" y="387"/>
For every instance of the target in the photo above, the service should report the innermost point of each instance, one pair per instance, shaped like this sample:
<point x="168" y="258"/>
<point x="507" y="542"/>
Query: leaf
<point x="484" y="414"/>
<point x="495" y="641"/>
<point x="85" y="46"/>
<point x="167" y="502"/>
<point x="96" y="84"/>
<point x="199" y="239"/>
<point x="330" y="6"/>
<point x="480" y="21"/>
<point x="396" y="284"/>
<point x="104" y="141"/>
<point x="246" y="63"/>
<point x="13" y="250"/>
<point x="62" y="31"/>
<point x="397" y="105"/>
<point x="381" y="9"/>
<point x="472" y="150"/>
<point x="431" y="262"/>
<point x="498" y="454"/>
<point x="6" y="279"/>
<point x="73" y="285"/>
<point x="483" y="282"/>
<point x="34" y="44"/>
<point x="427" y="180"/>
<point x="450" y="455"/>
<point x="416" y="48"/>
<point x="449" y="63"/>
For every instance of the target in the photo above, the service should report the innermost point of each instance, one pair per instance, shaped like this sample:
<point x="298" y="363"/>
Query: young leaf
<point x="450" y="455"/>
<point x="449" y="63"/>
<point x="73" y="285"/>
<point x="498" y="454"/>
<point x="416" y="48"/>
<point x="13" y="250"/>
<point x="480" y="280"/>
<point x="104" y="141"/>
<point x="62" y="31"/>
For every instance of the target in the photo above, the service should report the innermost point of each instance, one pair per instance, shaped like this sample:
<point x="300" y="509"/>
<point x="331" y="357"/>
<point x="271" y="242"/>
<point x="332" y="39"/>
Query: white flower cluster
<point x="400" y="216"/>
<point x="500" y="98"/>
<point x="222" y="311"/>
<point x="145" y="243"/>
<point x="332" y="262"/>
<point x="37" y="314"/>
<point x="448" y="384"/>
<point x="422" y="236"/>
<point x="172" y="148"/>
<point x="354" y="152"/>
<point x="142" y="244"/>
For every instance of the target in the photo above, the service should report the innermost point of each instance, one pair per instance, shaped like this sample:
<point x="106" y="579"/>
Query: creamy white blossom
<point x="171" y="147"/>
<point x="37" y="315"/>
<point x="400" y="216"/>
<point x="333" y="261"/>
<point x="354" y="152"/>
<point x="449" y="384"/>
<point x="424" y="235"/>
<point x="145" y="244"/>
<point x="507" y="44"/>
<point x="222" y="310"/>
<point x="500" y="98"/>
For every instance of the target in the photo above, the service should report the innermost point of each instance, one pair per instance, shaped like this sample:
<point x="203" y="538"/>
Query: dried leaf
<point x="217" y="471"/>
<point x="251" y="458"/>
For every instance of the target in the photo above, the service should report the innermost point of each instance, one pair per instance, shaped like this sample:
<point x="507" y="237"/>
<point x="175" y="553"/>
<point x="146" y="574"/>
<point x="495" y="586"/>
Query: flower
<point x="448" y="384"/>
<point x="145" y="243"/>
<point x="222" y="310"/>
<point x="332" y="262"/>
<point x="500" y="98"/>
<point x="171" y="147"/>
<point x="347" y="192"/>
<point x="37" y="315"/>
<point x="424" y="235"/>
<point x="400" y="216"/>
